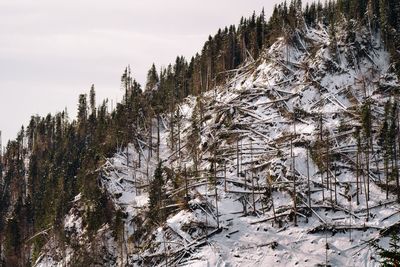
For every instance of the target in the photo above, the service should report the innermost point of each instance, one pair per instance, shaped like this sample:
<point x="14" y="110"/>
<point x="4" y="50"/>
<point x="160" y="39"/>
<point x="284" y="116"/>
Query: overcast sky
<point x="51" y="51"/>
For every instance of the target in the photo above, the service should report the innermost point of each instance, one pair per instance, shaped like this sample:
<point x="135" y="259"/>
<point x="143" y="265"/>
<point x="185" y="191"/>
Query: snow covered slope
<point x="265" y="140"/>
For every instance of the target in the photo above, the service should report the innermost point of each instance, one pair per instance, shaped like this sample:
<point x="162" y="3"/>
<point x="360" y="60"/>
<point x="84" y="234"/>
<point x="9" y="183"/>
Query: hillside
<point x="262" y="125"/>
<point x="287" y="157"/>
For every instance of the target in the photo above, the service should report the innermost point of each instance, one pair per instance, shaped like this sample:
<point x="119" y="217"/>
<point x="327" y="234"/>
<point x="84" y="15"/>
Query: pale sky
<point x="53" y="50"/>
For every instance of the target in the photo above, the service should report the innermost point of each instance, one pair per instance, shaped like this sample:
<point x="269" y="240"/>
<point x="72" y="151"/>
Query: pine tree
<point x="82" y="114"/>
<point x="152" y="78"/>
<point x="156" y="196"/>
<point x="194" y="138"/>
<point x="92" y="99"/>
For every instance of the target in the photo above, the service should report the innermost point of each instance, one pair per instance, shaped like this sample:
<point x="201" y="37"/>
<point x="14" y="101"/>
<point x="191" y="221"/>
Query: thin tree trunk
<point x="294" y="170"/>
<point x="259" y="189"/>
<point x="269" y="182"/>
<point x="237" y="157"/>
<point x="395" y="152"/>
<point x="294" y="181"/>
<point x="150" y="140"/>
<point x="357" y="177"/>
<point x="252" y="177"/>
<point x="322" y="174"/>
<point x="158" y="138"/>
<point x="127" y="155"/>
<point x="225" y="175"/>
<point x="334" y="180"/>
<point x="387" y="175"/>
<point x="396" y="171"/>
<point x="328" y="181"/>
<point x="186" y="189"/>
<point x="366" y="196"/>
<point x="216" y="190"/>
<point x="179" y="137"/>
<point x="140" y="156"/>
<point x="367" y="167"/>
<point x="308" y="180"/>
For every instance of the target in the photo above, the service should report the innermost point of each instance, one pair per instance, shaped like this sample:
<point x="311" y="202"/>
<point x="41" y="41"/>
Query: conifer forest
<point x="277" y="144"/>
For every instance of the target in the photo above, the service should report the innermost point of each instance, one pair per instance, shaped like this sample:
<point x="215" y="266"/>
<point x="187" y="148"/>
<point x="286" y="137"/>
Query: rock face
<point x="272" y="169"/>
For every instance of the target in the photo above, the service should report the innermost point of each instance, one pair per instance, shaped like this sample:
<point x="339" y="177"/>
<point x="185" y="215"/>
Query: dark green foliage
<point x="194" y="137"/>
<point x="156" y="214"/>
<point x="64" y="156"/>
<point x="63" y="159"/>
<point x="389" y="257"/>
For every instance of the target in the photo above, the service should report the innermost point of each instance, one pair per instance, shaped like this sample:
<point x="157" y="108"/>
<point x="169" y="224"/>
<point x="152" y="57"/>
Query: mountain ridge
<point x="273" y="166"/>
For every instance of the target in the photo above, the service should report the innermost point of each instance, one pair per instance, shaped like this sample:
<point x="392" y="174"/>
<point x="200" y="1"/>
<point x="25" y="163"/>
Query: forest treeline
<point x="55" y="158"/>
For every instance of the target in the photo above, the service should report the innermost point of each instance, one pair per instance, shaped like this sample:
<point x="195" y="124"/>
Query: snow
<point x="259" y="103"/>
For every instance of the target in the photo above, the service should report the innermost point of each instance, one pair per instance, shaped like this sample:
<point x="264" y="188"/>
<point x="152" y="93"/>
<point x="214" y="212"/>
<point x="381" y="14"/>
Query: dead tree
<point x="293" y="171"/>
<point x="225" y="175"/>
<point x="252" y="177"/>
<point x="259" y="189"/>
<point x="186" y="188"/>
<point x="269" y="182"/>
<point x="308" y="179"/>
<point x="158" y="137"/>
<point x="397" y="127"/>
<point x="150" y="147"/>
<point x="335" y="183"/>
<point x="328" y="180"/>
<point x="386" y="173"/>
<point x="366" y="193"/>
<point x="357" y="177"/>
<point x="237" y="157"/>
<point x="367" y="169"/>
<point x="322" y="173"/>
<point x="216" y="190"/>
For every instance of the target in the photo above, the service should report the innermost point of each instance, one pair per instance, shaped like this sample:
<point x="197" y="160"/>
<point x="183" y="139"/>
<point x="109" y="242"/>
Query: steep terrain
<point x="277" y="174"/>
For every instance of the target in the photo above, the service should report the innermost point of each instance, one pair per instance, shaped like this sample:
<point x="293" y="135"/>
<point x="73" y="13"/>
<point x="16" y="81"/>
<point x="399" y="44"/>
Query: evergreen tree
<point x="156" y="196"/>
<point x="152" y="78"/>
<point x="92" y="97"/>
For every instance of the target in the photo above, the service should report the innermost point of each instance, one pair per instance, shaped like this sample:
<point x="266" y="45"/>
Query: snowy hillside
<point x="279" y="179"/>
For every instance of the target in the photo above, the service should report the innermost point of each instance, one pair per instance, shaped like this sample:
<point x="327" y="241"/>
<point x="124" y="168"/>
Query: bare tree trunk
<point x="366" y="195"/>
<point x="225" y="175"/>
<point x="350" y="208"/>
<point x="357" y="177"/>
<point x="396" y="171"/>
<point x="253" y="195"/>
<point x="252" y="177"/>
<point x="294" y="181"/>
<point x="216" y="190"/>
<point x="179" y="137"/>
<point x="259" y="189"/>
<point x="328" y="180"/>
<point x="323" y="187"/>
<point x="367" y="167"/>
<point x="134" y="179"/>
<point x="237" y="158"/>
<point x="245" y="179"/>
<point x="322" y="174"/>
<point x="269" y="182"/>
<point x="294" y="170"/>
<point x="150" y="140"/>
<point x="395" y="152"/>
<point x="158" y="138"/>
<point x="308" y="179"/>
<point x="378" y="170"/>
<point x="334" y="180"/>
<point x="186" y="189"/>
<point x="127" y="155"/>
<point x="387" y="175"/>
